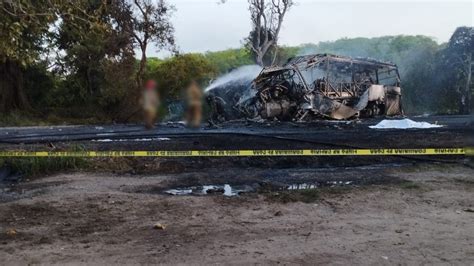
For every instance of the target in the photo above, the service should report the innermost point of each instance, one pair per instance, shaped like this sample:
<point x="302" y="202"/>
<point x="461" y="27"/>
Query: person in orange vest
<point x="194" y="104"/>
<point x="150" y="102"/>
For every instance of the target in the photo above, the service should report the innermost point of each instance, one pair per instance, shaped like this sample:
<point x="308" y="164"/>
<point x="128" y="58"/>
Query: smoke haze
<point x="238" y="75"/>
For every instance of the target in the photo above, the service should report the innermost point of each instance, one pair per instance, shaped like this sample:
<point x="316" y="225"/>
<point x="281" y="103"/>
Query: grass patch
<point x="306" y="195"/>
<point x="59" y="117"/>
<point x="35" y="166"/>
<point x="18" y="119"/>
<point x="424" y="167"/>
<point x="406" y="184"/>
<point x="469" y="182"/>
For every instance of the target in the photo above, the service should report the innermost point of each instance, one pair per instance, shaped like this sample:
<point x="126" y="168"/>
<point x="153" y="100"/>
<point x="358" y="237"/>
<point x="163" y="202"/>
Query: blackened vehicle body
<point x="324" y="86"/>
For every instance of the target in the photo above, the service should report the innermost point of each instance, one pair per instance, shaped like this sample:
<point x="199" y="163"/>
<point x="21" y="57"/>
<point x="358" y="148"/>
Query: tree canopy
<point x="86" y="58"/>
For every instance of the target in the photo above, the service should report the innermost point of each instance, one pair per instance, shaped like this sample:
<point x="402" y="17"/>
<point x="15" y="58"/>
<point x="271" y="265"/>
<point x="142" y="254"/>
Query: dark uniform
<point x="217" y="105"/>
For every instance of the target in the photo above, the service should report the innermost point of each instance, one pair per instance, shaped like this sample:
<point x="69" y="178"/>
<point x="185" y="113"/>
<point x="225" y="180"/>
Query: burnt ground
<point x="390" y="214"/>
<point x="457" y="131"/>
<point x="359" y="210"/>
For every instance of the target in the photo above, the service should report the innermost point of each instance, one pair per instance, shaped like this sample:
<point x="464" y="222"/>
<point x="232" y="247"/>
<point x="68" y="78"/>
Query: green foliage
<point x="396" y="49"/>
<point x="227" y="60"/>
<point x="285" y="53"/>
<point x="21" y="40"/>
<point x="407" y="184"/>
<point x="177" y="72"/>
<point x="40" y="85"/>
<point x="18" y="119"/>
<point x="119" y="85"/>
<point x="455" y="64"/>
<point x="22" y="35"/>
<point x="152" y="64"/>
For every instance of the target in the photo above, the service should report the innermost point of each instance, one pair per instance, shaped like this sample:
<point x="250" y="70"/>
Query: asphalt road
<point x="457" y="131"/>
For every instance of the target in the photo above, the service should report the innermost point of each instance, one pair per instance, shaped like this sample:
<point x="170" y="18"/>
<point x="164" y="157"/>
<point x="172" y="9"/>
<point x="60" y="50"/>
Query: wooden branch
<point x="137" y="4"/>
<point x="135" y="35"/>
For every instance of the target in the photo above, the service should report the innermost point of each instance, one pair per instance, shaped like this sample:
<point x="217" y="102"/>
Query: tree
<point x="229" y="59"/>
<point x="26" y="33"/>
<point x="20" y="44"/>
<point x="88" y="47"/>
<point x="175" y="73"/>
<point x="147" y="22"/>
<point x="267" y="18"/>
<point x="458" y="61"/>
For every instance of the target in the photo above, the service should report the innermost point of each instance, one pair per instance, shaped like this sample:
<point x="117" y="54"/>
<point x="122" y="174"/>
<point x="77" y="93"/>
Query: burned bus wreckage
<point x="322" y="86"/>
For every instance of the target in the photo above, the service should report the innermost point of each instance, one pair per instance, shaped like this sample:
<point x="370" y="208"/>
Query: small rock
<point x="278" y="213"/>
<point x="385" y="257"/>
<point x="399" y="231"/>
<point x="160" y="226"/>
<point x="11" y="232"/>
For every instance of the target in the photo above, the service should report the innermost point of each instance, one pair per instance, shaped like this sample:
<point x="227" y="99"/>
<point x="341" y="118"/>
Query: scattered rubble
<point x="225" y="190"/>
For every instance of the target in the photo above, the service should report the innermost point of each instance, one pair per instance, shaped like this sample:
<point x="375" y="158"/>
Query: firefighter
<point x="150" y="102"/>
<point x="194" y="104"/>
<point x="217" y="105"/>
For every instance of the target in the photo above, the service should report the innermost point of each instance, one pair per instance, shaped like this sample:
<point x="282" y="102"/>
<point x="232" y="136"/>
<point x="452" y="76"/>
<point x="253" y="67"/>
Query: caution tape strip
<point x="236" y="153"/>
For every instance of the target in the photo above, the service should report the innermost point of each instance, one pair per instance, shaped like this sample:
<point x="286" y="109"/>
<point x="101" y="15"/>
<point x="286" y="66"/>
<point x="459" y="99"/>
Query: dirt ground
<point x="426" y="218"/>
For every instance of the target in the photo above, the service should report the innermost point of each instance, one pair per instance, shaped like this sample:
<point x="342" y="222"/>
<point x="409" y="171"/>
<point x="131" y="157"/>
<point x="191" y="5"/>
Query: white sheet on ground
<point x="403" y="124"/>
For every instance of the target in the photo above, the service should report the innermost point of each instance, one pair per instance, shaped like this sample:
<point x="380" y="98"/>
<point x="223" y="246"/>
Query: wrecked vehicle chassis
<point x="325" y="86"/>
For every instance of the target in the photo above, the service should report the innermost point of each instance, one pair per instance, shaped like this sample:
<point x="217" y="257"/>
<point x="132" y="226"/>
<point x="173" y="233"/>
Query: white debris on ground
<point x="226" y="190"/>
<point x="122" y="140"/>
<point x="179" y="191"/>
<point x="403" y="124"/>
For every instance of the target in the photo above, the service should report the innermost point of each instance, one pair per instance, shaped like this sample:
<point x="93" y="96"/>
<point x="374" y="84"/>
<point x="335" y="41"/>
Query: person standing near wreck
<point x="150" y="102"/>
<point x="194" y="104"/>
<point x="217" y="105"/>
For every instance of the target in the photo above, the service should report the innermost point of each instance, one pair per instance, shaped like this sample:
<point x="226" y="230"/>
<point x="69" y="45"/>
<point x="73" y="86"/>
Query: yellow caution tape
<point x="469" y="151"/>
<point x="235" y="153"/>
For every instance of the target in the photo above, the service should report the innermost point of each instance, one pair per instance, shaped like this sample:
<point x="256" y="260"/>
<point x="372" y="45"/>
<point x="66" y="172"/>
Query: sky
<point x="206" y="25"/>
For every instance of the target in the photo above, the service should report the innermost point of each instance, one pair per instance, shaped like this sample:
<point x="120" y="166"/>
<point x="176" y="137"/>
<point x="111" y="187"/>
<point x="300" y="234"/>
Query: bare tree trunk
<point x="275" y="55"/>
<point x="259" y="59"/>
<point x="467" y="89"/>
<point x="141" y="69"/>
<point x="89" y="80"/>
<point x="12" y="95"/>
<point x="464" y="89"/>
<point x="267" y="18"/>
